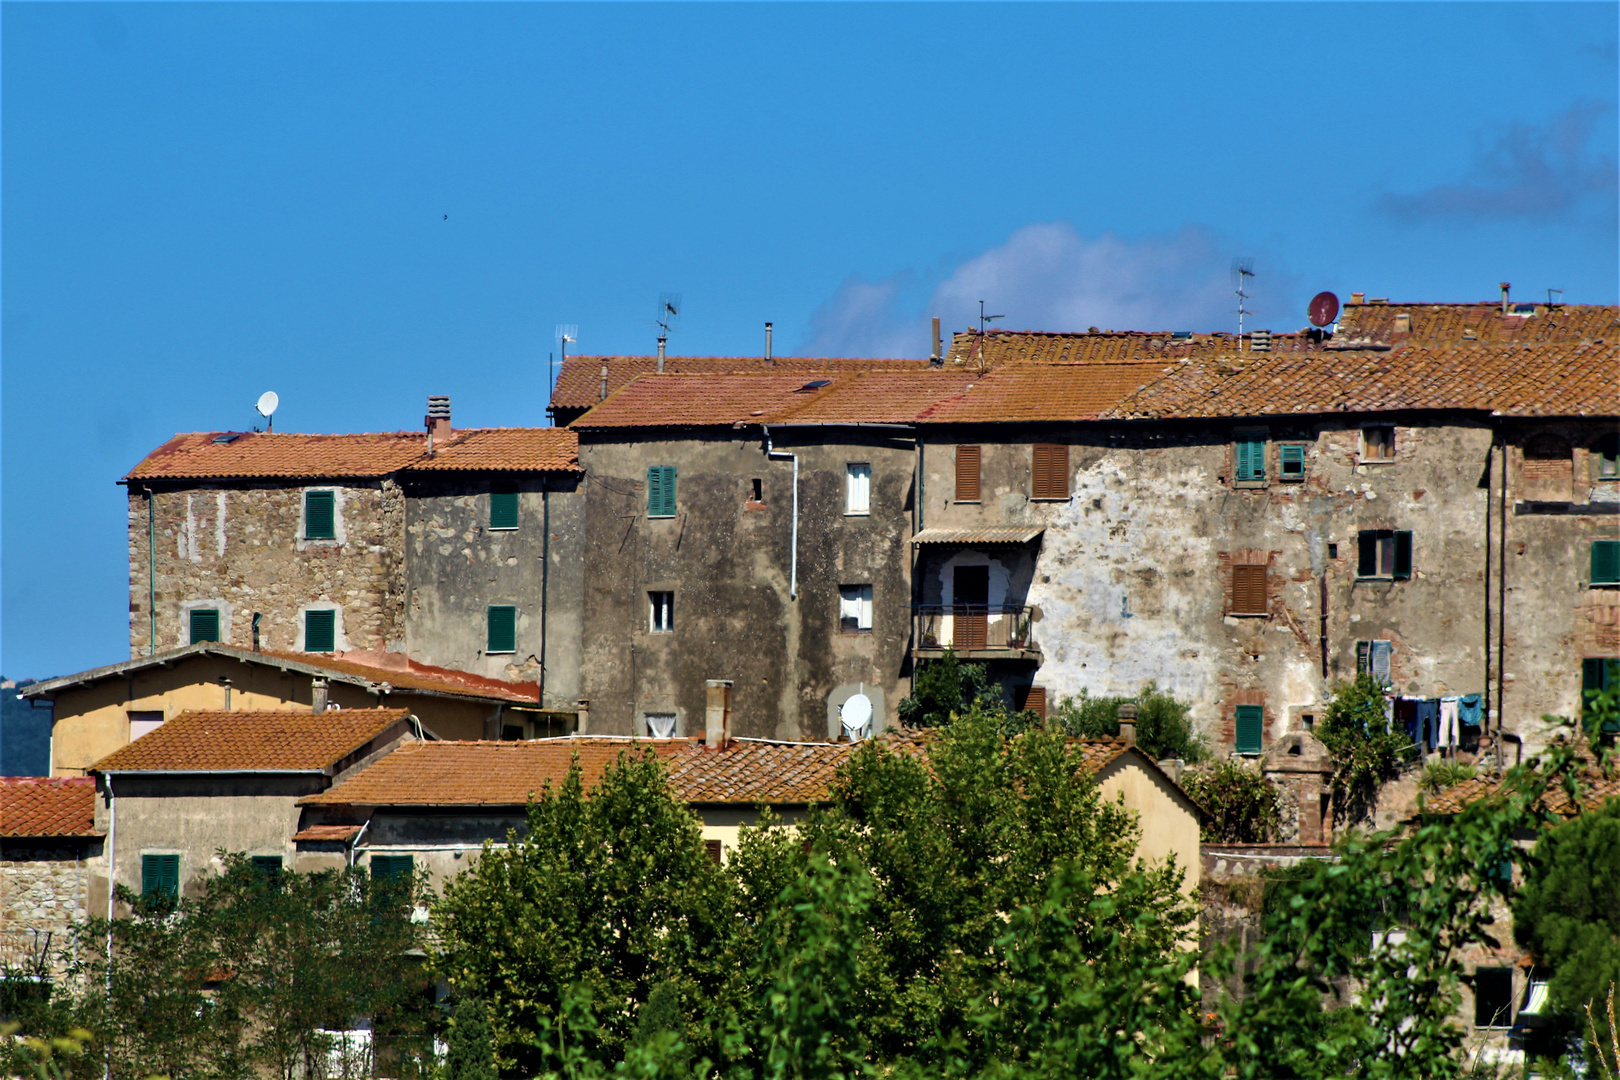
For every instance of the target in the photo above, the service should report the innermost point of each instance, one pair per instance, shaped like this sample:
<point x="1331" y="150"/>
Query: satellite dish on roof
<point x="856" y="716"/>
<point x="1324" y="309"/>
<point x="267" y="405"/>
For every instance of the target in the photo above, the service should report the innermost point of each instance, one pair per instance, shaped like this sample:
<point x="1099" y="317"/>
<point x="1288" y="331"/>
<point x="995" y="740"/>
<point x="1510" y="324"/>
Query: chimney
<point x="768" y="359"/>
<point x="601" y="391"/>
<point x="226" y="683"/>
<point x="935" y="358"/>
<point x="317" y="695"/>
<point x="1260" y="341"/>
<point x="661" y="340"/>
<point x="1127" y="722"/>
<point x="1358" y="298"/>
<point x="584" y="725"/>
<point x="1403" y="322"/>
<point x="1506" y="285"/>
<point x="438" y="419"/>
<point x="717" y="716"/>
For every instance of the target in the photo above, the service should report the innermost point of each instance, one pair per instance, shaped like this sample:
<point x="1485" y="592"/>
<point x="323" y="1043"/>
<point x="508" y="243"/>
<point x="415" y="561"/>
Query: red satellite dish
<point x="1324" y="309"/>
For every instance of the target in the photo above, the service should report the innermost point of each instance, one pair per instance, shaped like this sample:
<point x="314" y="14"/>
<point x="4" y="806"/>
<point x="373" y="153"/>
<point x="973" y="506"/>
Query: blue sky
<point x="360" y="205"/>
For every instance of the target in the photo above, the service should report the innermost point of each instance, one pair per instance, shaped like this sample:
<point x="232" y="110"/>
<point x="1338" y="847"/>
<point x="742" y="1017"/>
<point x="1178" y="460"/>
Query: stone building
<point x="98" y="711"/>
<point x="458" y="549"/>
<point x="52" y="870"/>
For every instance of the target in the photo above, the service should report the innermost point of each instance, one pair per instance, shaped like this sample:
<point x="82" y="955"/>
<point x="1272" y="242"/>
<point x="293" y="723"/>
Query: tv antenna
<point x="669" y="318"/>
<point x="267" y="407"/>
<point x="567" y="334"/>
<point x="986" y="320"/>
<point x="1242" y="274"/>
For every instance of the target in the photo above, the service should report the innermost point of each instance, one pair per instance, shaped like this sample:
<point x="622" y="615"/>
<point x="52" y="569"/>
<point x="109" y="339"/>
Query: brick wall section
<point x="240" y="548"/>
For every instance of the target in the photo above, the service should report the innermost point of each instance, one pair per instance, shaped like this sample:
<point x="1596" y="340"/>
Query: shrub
<point x="946" y="688"/>
<point x="1163" y="729"/>
<point x="1364" y="749"/>
<point x="1244" y="807"/>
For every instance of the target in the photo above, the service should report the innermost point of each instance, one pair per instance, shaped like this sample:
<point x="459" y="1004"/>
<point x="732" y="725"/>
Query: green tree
<point x="469" y="1043"/>
<point x="945" y="689"/>
<point x="1365" y="750"/>
<point x="1567" y="913"/>
<point x="1244" y="807"/>
<point x="1163" y="726"/>
<point x="602" y="898"/>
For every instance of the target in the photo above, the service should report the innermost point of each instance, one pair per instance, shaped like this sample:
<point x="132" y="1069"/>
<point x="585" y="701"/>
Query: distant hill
<point x="25" y="733"/>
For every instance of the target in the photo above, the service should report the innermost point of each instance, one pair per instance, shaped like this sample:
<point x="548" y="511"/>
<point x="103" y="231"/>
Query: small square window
<point x="503" y="509"/>
<point x="144" y="722"/>
<point x="858" y="488"/>
<point x="393" y="868"/>
<point x="320" y="515"/>
<point x="502" y="622"/>
<point x="1493" y="997"/>
<point x="1378" y="443"/>
<point x="204" y="624"/>
<point x="320" y="630"/>
<point x="854" y="609"/>
<point x="1291" y="462"/>
<point x="1384" y="553"/>
<point x="268" y="865"/>
<point x="661" y="612"/>
<point x="661" y="725"/>
<point x="756" y="492"/>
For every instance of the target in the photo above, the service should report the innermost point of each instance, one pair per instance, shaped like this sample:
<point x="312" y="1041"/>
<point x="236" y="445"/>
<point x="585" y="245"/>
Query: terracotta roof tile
<point x="504" y="450"/>
<point x="1596" y="789"/>
<point x="201" y="455"/>
<point x="38" y="806"/>
<point x="1541" y="379"/>
<point x="703" y="401"/>
<point x="879" y="398"/>
<point x="406" y="674"/>
<point x="326" y="833"/>
<point x="481" y="773"/>
<point x="758" y="772"/>
<point x="1453" y="323"/>
<point x="579" y="383"/>
<point x="998" y="347"/>
<point x="1016" y="393"/>
<point x="252" y="741"/>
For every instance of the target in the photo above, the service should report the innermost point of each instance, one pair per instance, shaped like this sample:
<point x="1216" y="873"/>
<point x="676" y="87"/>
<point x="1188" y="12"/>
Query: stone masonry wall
<point x="43" y="890"/>
<point x="241" y="549"/>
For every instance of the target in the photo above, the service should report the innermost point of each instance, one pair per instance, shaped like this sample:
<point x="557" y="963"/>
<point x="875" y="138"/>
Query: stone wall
<point x="241" y="549"/>
<point x="45" y="891"/>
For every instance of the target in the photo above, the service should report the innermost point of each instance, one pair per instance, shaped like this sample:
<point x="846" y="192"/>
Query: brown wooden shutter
<point x="1049" y="475"/>
<point x="967" y="474"/>
<point x="713" y="847"/>
<point x="1035" y="701"/>
<point x="1248" y="590"/>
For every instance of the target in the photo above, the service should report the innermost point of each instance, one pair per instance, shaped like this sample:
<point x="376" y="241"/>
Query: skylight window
<point x="815" y="384"/>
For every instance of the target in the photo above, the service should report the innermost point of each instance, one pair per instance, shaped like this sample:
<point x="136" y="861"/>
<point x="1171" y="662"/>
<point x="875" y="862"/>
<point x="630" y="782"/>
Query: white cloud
<point x="1049" y="277"/>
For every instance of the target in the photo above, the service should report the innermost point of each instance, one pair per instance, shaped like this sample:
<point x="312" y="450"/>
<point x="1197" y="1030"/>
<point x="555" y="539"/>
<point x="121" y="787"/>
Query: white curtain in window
<point x="860" y="488"/>
<point x="661" y="725"/>
<point x="855" y="607"/>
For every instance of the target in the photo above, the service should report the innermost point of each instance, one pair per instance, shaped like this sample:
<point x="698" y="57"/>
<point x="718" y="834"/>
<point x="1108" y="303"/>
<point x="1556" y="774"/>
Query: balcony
<point x="977" y="631"/>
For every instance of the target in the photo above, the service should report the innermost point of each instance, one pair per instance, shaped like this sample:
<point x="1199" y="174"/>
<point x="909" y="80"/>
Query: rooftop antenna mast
<point x="566" y="334"/>
<point x="984" y="324"/>
<point x="669" y="317"/>
<point x="1242" y="273"/>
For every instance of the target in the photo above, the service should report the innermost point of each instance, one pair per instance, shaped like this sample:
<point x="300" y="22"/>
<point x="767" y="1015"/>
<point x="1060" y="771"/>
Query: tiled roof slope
<point x="579" y="383"/>
<point x="1596" y="789"/>
<point x="38" y="806"/>
<point x="1545" y="379"/>
<point x="1021" y="392"/>
<point x="256" y="455"/>
<point x="999" y="347"/>
<point x="481" y="773"/>
<point x="788" y="400"/>
<point x="504" y="450"/>
<point x="252" y="741"/>
<point x="1452" y="323"/>
<point x="758" y="772"/>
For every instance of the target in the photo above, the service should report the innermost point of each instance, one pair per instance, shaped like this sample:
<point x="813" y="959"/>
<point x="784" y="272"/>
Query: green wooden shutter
<point x="1292" y="462"/>
<point x="1250" y="727"/>
<point x="320" y="630"/>
<point x="160" y="876"/>
<point x="320" y="515"/>
<point x="503" y="510"/>
<point x="1403" y="554"/>
<point x="502" y="629"/>
<point x="669" y="491"/>
<point x="1250" y="457"/>
<point x="661" y="491"/>
<point x="1367" y="553"/>
<point x="1363" y="657"/>
<point x="268" y="865"/>
<point x="392" y="867"/>
<point x="1595" y="673"/>
<point x="1606" y="562"/>
<point x="204" y="625"/>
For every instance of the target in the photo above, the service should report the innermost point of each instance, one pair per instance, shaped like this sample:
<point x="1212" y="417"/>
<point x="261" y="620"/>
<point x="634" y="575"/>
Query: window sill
<point x="1381" y="578"/>
<point x="1051" y="498"/>
<point x="1249" y="614"/>
<point x="1290" y="479"/>
<point x="500" y="528"/>
<point x="966" y="502"/>
<point x="857" y="513"/>
<point x="1376" y="461"/>
<point x="500" y="652"/>
<point x="855" y="633"/>
<point x="1251" y="483"/>
<point x="662" y="517"/>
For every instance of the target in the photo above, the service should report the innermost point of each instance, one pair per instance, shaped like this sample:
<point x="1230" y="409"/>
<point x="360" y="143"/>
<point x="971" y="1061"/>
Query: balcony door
<point x="970" y="607"/>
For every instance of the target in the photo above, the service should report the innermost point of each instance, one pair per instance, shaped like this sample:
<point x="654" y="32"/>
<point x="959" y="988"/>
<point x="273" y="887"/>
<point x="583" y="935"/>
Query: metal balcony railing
<point x="965" y="627"/>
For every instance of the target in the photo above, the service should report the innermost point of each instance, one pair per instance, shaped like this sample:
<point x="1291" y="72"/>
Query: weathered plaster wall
<point x="1133" y="575"/>
<point x="92" y="721"/>
<point x="727" y="560"/>
<point x="241" y="549"/>
<point x="1165" y="815"/>
<point x="457" y="566"/>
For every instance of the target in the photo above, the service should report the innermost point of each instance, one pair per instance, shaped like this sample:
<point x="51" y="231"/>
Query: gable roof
<point x="482" y="773"/>
<point x="1484" y="321"/>
<point x="273" y="742"/>
<point x="398" y="673"/>
<point x="1538" y="379"/>
<point x="1031" y="392"/>
<point x="579" y="383"/>
<point x="786" y="400"/>
<point x="37" y="806"/>
<point x="255" y="455"/>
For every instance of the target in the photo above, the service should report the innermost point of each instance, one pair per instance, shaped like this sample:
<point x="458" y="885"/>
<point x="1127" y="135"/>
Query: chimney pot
<point x="317" y="695"/>
<point x="601" y="392"/>
<point x="1506" y="285"/>
<point x="584" y="725"/>
<point x="661" y="340"/>
<point x="438" y="419"/>
<point x="717" y="714"/>
<point x="1358" y="298"/>
<point x="1127" y="722"/>
<point x="768" y="343"/>
<point x="935" y="358"/>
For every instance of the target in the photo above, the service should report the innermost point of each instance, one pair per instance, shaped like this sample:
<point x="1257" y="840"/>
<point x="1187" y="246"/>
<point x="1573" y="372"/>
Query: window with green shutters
<point x="1600" y="675"/>
<point x="1249" y="456"/>
<point x="1606" y="562"/>
<point x="268" y="865"/>
<point x="1291" y="462"/>
<point x="503" y="509"/>
<point x="1250" y="728"/>
<point x="661" y="491"/>
<point x="204" y="624"/>
<point x="502" y="629"/>
<point x="320" y="515"/>
<point x="320" y="630"/>
<point x="160" y="877"/>
<point x="392" y="867"/>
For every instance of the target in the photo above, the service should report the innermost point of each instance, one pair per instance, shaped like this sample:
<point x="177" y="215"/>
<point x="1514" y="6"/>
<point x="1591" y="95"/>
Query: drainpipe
<point x="354" y="845"/>
<point x="112" y="860"/>
<point x="545" y="575"/>
<point x="793" y="565"/>
<point x="1501" y="600"/>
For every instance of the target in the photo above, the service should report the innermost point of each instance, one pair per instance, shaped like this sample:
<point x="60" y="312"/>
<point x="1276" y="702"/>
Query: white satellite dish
<point x="856" y="716"/>
<point x="267" y="404"/>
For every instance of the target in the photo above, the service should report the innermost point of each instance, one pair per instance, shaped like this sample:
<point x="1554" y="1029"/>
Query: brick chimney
<point x="717" y="715"/>
<point x="437" y="419"/>
<point x="1127" y="722"/>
